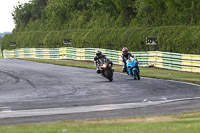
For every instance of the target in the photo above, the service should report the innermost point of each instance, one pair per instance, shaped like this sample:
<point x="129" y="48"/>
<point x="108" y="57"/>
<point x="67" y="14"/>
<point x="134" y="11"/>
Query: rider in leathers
<point x="125" y="56"/>
<point x="100" y="58"/>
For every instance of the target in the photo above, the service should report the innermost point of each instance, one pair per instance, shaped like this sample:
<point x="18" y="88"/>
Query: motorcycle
<point x="133" y="68"/>
<point x="106" y="70"/>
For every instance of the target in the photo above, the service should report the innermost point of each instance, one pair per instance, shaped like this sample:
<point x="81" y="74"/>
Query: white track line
<point x="165" y="79"/>
<point x="81" y="109"/>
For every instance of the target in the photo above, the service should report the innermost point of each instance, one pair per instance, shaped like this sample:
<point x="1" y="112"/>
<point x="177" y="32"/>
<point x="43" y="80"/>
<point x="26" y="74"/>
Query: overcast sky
<point x="6" y="20"/>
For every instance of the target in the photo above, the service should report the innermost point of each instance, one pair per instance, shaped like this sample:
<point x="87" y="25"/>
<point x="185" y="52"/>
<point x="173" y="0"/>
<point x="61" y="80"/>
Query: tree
<point x="38" y="7"/>
<point x="22" y="13"/>
<point x="33" y="10"/>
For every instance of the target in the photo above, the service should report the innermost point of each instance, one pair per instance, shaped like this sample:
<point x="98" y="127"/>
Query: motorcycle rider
<point x="125" y="56"/>
<point x="100" y="58"/>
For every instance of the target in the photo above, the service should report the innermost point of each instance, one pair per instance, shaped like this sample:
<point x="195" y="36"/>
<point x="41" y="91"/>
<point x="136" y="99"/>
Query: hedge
<point x="179" y="39"/>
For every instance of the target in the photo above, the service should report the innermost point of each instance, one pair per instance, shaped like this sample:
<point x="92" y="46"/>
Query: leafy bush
<point x="181" y="39"/>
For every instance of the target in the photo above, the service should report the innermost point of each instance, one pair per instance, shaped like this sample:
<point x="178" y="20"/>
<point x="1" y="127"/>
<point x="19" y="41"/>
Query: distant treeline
<point x="108" y="24"/>
<point x="3" y="34"/>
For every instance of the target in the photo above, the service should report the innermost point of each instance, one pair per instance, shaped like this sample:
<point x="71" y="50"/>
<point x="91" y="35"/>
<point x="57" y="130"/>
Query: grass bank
<point x="179" y="123"/>
<point x="145" y="71"/>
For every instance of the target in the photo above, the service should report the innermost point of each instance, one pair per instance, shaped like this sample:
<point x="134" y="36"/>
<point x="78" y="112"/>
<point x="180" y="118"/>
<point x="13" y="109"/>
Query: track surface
<point x="26" y="85"/>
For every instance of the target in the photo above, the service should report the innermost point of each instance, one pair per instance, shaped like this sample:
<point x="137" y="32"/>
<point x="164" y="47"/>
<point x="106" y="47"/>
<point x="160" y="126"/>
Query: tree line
<point x="88" y="14"/>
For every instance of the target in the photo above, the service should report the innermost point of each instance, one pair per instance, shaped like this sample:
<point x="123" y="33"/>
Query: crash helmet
<point x="98" y="53"/>
<point x="125" y="50"/>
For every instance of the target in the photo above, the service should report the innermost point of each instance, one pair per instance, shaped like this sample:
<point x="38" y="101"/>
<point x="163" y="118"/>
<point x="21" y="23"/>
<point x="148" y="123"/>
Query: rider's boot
<point x="127" y="73"/>
<point x="98" y="71"/>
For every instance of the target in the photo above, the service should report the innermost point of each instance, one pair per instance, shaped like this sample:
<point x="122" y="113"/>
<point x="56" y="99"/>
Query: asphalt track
<point x="36" y="92"/>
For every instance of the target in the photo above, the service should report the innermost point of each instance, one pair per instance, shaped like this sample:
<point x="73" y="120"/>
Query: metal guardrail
<point x="174" y="61"/>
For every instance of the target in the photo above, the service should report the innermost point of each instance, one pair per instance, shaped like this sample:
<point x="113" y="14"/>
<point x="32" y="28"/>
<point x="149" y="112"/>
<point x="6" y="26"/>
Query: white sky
<point x="6" y="20"/>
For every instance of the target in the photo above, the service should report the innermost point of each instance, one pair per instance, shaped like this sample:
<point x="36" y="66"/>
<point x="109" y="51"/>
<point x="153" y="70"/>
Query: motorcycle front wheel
<point x="137" y="74"/>
<point x="109" y="74"/>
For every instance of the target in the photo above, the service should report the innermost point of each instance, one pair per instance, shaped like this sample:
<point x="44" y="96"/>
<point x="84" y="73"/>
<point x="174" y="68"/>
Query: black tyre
<point x="110" y="79"/>
<point x="137" y="74"/>
<point x="109" y="74"/>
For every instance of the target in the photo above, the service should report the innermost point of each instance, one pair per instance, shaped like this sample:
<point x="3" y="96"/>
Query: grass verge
<point x="179" y="123"/>
<point x="145" y="71"/>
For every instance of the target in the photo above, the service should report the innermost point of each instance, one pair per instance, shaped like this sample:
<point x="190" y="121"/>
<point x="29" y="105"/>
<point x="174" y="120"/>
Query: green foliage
<point x="75" y="14"/>
<point x="109" y="24"/>
<point x="24" y="13"/>
<point x="181" y="39"/>
<point x="0" y="40"/>
<point x="168" y="12"/>
<point x="1" y="36"/>
<point x="87" y="14"/>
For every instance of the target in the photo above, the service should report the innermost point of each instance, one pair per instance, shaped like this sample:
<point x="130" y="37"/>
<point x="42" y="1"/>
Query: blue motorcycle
<point x="133" y="68"/>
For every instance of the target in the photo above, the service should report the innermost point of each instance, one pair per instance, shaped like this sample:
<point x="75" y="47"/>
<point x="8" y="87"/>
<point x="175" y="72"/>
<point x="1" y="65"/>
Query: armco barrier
<point x="190" y="63"/>
<point x="174" y="61"/>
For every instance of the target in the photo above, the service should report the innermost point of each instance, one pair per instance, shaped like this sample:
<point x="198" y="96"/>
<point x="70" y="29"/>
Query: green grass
<point x="145" y="71"/>
<point x="150" y="124"/>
